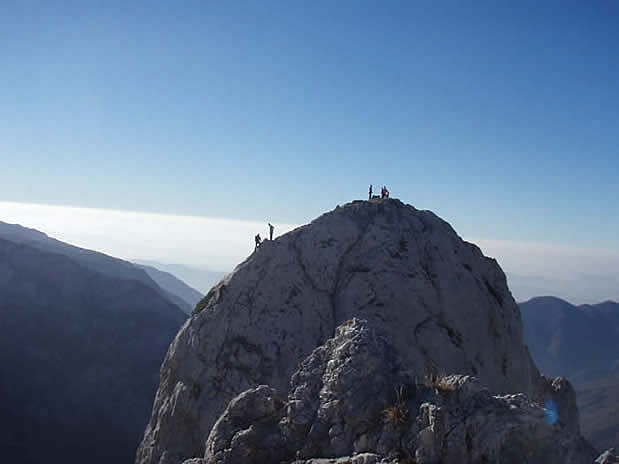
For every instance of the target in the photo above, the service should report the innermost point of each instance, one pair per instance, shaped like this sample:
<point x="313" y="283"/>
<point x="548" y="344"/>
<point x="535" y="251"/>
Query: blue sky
<point x="502" y="119"/>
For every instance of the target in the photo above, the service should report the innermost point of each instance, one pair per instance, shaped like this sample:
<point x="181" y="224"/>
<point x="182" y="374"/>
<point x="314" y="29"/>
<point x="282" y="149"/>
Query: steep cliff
<point x="441" y="306"/>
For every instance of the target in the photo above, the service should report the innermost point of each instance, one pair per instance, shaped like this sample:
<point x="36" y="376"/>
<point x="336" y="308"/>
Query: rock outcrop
<point x="432" y="304"/>
<point x="608" y="457"/>
<point x="349" y="400"/>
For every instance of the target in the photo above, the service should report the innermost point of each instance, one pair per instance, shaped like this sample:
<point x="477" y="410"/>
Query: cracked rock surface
<point x="349" y="403"/>
<point x="608" y="457"/>
<point x="441" y="305"/>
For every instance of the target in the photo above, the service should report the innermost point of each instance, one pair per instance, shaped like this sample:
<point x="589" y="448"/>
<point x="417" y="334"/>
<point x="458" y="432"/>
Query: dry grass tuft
<point x="398" y="413"/>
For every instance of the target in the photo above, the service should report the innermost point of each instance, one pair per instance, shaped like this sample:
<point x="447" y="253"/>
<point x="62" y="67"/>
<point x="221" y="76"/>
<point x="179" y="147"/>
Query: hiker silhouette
<point x="258" y="241"/>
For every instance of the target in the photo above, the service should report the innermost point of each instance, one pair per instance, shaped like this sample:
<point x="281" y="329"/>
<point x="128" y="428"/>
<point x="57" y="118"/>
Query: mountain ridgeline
<point x="184" y="296"/>
<point x="82" y="336"/>
<point x="581" y="342"/>
<point x="196" y="278"/>
<point x="374" y="334"/>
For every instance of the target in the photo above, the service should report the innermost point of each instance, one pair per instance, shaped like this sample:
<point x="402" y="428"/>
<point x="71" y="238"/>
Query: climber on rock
<point x="271" y="229"/>
<point x="258" y="241"/>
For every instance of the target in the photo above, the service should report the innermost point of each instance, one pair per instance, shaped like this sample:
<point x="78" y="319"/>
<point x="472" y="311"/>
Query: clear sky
<point x="503" y="119"/>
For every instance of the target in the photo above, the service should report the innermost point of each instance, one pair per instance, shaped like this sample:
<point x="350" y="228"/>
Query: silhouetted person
<point x="370" y="193"/>
<point x="258" y="241"/>
<point x="382" y="192"/>
<point x="271" y="229"/>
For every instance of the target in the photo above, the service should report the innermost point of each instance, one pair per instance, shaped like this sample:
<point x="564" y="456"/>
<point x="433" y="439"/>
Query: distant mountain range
<point x="150" y="273"/>
<point x="82" y="337"/>
<point x="578" y="289"/>
<point x="200" y="279"/>
<point x="581" y="343"/>
<point x="179" y="292"/>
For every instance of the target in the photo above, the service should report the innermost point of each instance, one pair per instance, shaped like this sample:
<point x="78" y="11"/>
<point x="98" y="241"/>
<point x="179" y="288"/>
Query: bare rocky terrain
<point x="373" y="334"/>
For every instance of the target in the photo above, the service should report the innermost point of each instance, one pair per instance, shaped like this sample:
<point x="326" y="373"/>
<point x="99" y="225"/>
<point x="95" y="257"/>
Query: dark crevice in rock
<point x="497" y="296"/>
<point x="454" y="335"/>
<point x="338" y="276"/>
<point x="315" y="287"/>
<point x="299" y="259"/>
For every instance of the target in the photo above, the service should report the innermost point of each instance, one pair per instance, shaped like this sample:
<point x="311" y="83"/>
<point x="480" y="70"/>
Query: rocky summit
<point x="373" y="334"/>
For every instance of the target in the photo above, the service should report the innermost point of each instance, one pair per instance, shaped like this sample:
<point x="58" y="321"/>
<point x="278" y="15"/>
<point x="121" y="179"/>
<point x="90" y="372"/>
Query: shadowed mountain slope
<point x="581" y="342"/>
<point x="89" y="259"/>
<point x="198" y="278"/>
<point x="80" y="352"/>
<point x="182" y="294"/>
<point x="598" y="401"/>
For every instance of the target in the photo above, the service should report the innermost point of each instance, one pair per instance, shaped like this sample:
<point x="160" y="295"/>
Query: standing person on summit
<point x="271" y="229"/>
<point x="370" y="193"/>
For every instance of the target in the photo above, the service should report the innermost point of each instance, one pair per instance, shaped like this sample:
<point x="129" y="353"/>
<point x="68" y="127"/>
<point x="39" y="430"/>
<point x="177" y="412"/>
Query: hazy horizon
<point x="501" y="119"/>
<point x="576" y="274"/>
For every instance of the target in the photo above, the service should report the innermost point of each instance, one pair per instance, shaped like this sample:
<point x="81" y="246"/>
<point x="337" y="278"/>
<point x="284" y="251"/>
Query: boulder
<point x="608" y="457"/>
<point x="349" y="403"/>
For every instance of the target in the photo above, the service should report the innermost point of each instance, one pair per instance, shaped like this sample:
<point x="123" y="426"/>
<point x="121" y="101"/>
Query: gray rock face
<point x="349" y="400"/>
<point x="442" y="306"/>
<point x="364" y="458"/>
<point x="247" y="431"/>
<point x="608" y="457"/>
